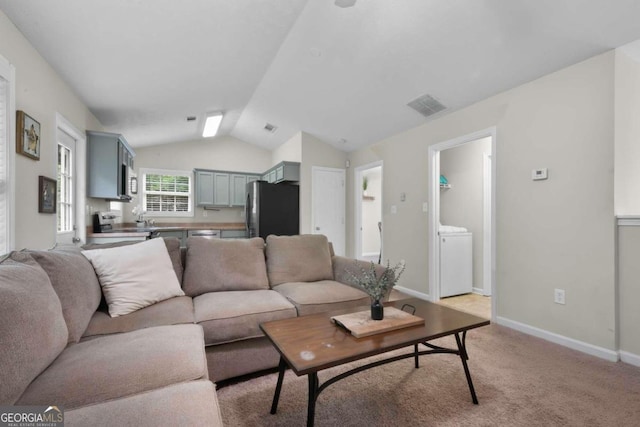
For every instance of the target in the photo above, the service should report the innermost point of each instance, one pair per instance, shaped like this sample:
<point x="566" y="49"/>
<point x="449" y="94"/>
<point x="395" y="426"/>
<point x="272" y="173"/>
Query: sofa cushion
<point x="304" y="258"/>
<point x="321" y="296"/>
<point x="114" y="366"/>
<point x="136" y="276"/>
<point x="224" y="265"/>
<point x="236" y="315"/>
<point x="193" y="403"/>
<point x="173" y="247"/>
<point x="76" y="284"/>
<point x="32" y="328"/>
<point x="173" y="311"/>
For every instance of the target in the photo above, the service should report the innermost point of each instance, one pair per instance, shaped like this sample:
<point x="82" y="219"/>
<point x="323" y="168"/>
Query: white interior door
<point x="328" y="210"/>
<point x="66" y="189"/>
<point x="70" y="201"/>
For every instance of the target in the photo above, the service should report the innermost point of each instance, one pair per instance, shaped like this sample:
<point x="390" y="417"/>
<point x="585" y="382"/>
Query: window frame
<point x="143" y="172"/>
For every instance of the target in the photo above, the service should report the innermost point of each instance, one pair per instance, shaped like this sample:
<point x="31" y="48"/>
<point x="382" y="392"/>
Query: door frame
<point x="434" y="212"/>
<point x="80" y="175"/>
<point x="357" y="194"/>
<point x="314" y="185"/>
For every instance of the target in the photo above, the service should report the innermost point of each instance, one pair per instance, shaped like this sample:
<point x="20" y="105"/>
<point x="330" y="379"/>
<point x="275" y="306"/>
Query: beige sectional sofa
<point x="60" y="346"/>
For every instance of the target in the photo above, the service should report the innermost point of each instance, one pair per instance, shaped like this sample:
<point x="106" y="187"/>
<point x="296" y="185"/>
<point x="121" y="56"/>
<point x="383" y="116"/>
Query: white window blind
<point x="167" y="193"/>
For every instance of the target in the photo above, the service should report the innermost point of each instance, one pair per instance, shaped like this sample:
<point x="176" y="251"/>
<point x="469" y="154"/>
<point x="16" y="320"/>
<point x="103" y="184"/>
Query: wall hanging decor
<point x="27" y="136"/>
<point x="46" y="195"/>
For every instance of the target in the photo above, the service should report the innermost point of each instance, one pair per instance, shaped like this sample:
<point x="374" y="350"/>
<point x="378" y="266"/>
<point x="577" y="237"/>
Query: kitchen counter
<point x="131" y="230"/>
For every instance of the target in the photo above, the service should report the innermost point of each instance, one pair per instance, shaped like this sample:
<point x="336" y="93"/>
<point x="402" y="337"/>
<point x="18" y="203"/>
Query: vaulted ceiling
<point x="344" y="75"/>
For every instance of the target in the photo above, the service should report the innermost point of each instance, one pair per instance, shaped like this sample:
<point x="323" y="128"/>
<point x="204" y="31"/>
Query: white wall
<point x="41" y="93"/>
<point x="290" y="151"/>
<point x="627" y="134"/>
<point x="550" y="234"/>
<point x="222" y="153"/>
<point x="463" y="204"/>
<point x="314" y="153"/>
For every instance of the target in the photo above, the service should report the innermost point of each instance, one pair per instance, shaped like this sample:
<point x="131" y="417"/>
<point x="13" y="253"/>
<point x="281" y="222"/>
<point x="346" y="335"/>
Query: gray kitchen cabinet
<point x="238" y="189"/>
<point x="109" y="166"/>
<point x="204" y="188"/>
<point x="221" y="189"/>
<point x="179" y="234"/>
<point x="283" y="171"/>
<point x="251" y="178"/>
<point x="233" y="234"/>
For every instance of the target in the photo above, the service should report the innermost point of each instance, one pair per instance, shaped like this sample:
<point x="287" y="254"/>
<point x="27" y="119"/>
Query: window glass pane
<point x="167" y="193"/>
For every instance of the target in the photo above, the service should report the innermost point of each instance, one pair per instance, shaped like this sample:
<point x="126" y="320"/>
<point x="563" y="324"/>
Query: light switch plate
<point x="425" y="207"/>
<point x="394" y="209"/>
<point x="539" y="174"/>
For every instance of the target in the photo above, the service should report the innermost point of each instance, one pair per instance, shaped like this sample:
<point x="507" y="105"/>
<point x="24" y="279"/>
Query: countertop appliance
<point x="272" y="209"/>
<point x="103" y="221"/>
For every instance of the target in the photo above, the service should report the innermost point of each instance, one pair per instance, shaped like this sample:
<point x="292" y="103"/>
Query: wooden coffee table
<point x="309" y="344"/>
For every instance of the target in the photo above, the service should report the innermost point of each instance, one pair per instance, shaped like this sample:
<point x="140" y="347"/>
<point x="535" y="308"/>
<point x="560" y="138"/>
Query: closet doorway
<point x="368" y="220"/>
<point x="461" y="223"/>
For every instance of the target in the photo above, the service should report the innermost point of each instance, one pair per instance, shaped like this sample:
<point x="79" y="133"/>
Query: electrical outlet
<point x="204" y="213"/>
<point x="558" y="296"/>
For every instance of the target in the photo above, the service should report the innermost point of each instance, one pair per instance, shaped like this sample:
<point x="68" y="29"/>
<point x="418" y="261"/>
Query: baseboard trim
<point x="574" y="344"/>
<point x="630" y="358"/>
<point x="412" y="293"/>
<point x="478" y="291"/>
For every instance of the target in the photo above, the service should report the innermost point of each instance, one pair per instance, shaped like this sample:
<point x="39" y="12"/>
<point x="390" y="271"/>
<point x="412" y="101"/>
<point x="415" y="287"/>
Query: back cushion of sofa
<point x="33" y="331"/>
<point x="76" y="284"/>
<point x="173" y="247"/>
<point x="224" y="265"/>
<point x="304" y="258"/>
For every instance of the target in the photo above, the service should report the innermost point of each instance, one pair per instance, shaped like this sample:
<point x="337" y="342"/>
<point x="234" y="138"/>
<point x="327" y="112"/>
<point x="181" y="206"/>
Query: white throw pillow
<point x="135" y="276"/>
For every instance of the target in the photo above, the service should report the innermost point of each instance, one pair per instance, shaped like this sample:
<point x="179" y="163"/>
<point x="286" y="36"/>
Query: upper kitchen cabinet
<point x="109" y="166"/>
<point x="283" y="171"/>
<point x="220" y="188"/>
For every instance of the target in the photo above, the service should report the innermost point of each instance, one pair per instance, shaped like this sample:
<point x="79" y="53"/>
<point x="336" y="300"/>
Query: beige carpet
<point x="520" y="381"/>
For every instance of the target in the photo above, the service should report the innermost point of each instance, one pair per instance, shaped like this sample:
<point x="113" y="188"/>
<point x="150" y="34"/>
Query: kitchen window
<point x="167" y="192"/>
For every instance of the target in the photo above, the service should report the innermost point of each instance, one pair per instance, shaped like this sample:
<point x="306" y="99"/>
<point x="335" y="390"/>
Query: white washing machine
<point x="456" y="263"/>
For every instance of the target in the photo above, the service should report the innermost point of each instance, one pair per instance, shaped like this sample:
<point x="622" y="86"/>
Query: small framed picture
<point x="46" y="195"/>
<point x="27" y="136"/>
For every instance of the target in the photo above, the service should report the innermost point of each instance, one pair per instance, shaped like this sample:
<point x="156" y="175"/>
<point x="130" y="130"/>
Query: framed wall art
<point x="27" y="136"/>
<point x="46" y="195"/>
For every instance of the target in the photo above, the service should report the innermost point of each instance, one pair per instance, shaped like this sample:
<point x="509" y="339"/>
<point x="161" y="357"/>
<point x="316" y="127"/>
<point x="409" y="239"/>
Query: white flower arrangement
<point x="376" y="287"/>
<point x="139" y="213"/>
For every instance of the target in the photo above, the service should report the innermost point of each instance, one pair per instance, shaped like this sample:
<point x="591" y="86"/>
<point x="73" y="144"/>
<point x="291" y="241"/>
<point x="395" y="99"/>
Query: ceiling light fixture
<point x="211" y="125"/>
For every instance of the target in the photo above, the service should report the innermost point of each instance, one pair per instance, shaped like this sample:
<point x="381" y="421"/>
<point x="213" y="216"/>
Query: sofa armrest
<point x="343" y="267"/>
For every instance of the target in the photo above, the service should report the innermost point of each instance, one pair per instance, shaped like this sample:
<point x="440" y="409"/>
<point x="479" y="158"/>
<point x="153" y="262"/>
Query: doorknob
<point x="76" y="240"/>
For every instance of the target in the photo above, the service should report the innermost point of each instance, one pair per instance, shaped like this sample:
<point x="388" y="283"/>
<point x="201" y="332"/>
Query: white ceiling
<point x="143" y="66"/>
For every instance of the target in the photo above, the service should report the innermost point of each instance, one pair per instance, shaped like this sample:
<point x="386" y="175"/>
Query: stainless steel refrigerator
<point x="272" y="209"/>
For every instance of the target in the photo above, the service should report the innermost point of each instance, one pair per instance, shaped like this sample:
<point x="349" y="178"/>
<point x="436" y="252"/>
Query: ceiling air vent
<point x="270" y="128"/>
<point x="426" y="105"/>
